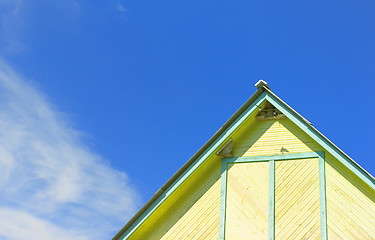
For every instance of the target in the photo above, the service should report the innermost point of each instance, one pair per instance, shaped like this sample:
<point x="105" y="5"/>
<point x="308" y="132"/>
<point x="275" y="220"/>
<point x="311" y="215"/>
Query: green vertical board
<point x="271" y="202"/>
<point x="323" y="202"/>
<point x="223" y="198"/>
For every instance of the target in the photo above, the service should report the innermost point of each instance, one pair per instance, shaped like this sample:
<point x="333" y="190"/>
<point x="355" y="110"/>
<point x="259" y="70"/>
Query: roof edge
<point x="324" y="138"/>
<point x="158" y="193"/>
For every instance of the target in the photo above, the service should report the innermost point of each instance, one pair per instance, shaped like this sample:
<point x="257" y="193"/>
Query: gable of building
<point x="317" y="190"/>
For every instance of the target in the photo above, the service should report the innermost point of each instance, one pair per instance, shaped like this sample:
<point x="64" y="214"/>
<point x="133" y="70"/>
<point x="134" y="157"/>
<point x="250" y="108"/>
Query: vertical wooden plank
<point x="271" y="202"/>
<point x="297" y="214"/>
<point x="323" y="202"/>
<point x="223" y="199"/>
<point x="350" y="204"/>
<point x="247" y="201"/>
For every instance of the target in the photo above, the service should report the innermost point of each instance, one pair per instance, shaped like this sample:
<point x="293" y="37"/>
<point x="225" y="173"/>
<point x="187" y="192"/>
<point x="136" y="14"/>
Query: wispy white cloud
<point x="121" y="8"/>
<point x="51" y="183"/>
<point x="18" y="19"/>
<point x="10" y="24"/>
<point x="21" y="225"/>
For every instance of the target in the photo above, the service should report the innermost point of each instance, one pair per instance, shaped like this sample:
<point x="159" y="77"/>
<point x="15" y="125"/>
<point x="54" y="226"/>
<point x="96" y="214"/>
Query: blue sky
<point x="102" y="101"/>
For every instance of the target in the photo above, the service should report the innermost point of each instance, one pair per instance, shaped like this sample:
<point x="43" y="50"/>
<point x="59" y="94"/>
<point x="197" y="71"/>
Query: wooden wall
<point x="192" y="211"/>
<point x="297" y="214"/>
<point x="247" y="201"/>
<point x="271" y="138"/>
<point x="350" y="204"/>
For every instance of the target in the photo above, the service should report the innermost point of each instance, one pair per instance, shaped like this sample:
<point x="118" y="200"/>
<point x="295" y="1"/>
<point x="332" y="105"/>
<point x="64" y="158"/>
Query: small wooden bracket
<point x="269" y="112"/>
<point x="226" y="150"/>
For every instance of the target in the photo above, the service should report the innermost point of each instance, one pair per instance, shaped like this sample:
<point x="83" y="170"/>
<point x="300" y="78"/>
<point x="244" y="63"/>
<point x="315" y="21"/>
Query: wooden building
<point x="266" y="174"/>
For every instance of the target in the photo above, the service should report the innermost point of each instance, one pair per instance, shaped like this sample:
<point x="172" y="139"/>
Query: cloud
<point x="121" y="8"/>
<point x="10" y="24"/>
<point x="51" y="183"/>
<point x="21" y="225"/>
<point x="19" y="20"/>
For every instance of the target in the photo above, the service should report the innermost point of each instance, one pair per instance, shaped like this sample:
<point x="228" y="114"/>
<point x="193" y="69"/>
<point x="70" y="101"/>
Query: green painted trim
<point x="271" y="194"/>
<point x="224" y="136"/>
<point x="323" y="142"/>
<point x="323" y="202"/>
<point x="292" y="156"/>
<point x="271" y="201"/>
<point x="223" y="199"/>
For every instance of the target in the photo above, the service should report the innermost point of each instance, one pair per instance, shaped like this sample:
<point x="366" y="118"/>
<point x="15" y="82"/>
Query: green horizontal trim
<point x="271" y="201"/>
<point x="320" y="140"/>
<point x="292" y="156"/>
<point x="193" y="167"/>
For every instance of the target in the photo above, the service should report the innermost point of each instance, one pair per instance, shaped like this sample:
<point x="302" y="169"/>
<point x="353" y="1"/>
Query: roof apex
<point x="261" y="83"/>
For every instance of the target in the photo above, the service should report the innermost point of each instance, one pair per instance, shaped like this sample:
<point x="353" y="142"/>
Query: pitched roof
<point x="263" y="93"/>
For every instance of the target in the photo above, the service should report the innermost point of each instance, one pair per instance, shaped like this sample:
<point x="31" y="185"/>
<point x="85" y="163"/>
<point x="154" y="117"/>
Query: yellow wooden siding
<point x="247" y="201"/>
<point x="192" y="213"/>
<point x="200" y="193"/>
<point x="297" y="199"/>
<point x="273" y="137"/>
<point x="350" y="204"/>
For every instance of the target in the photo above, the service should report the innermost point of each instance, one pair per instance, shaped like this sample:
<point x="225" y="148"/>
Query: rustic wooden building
<point x="266" y="174"/>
